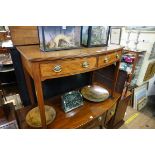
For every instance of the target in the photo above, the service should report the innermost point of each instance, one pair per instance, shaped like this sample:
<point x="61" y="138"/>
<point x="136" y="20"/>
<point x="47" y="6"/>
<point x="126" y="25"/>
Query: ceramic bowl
<point x="95" y="93"/>
<point x="33" y="117"/>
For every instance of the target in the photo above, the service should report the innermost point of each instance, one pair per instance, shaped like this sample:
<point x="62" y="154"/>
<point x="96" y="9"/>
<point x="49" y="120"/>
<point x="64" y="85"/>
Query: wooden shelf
<point x="73" y="119"/>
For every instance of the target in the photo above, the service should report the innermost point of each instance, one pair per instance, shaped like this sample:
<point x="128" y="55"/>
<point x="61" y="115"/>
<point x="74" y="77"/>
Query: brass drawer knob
<point x="57" y="68"/>
<point x="117" y="56"/>
<point x="106" y="59"/>
<point x="85" y="64"/>
<point x="100" y="118"/>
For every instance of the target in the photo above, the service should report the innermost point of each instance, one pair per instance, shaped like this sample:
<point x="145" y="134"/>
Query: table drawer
<point x="99" y="121"/>
<point x="110" y="113"/>
<point x="109" y="58"/>
<point x="67" y="67"/>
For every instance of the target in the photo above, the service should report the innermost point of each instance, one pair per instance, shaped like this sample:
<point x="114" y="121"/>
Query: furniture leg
<point x="39" y="94"/>
<point x="29" y="86"/>
<point x="92" y="78"/>
<point x="100" y="127"/>
<point x="115" y="78"/>
<point x="2" y="92"/>
<point x="4" y="96"/>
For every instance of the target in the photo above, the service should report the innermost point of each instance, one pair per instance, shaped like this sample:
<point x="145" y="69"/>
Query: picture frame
<point x="115" y="35"/>
<point x="140" y="96"/>
<point x="95" y="36"/>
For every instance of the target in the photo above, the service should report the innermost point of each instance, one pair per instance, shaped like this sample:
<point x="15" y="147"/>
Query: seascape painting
<point x="59" y="37"/>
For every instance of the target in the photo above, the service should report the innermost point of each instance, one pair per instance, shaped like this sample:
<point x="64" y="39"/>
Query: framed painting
<point x="115" y="35"/>
<point x="95" y="36"/>
<point x="140" y="96"/>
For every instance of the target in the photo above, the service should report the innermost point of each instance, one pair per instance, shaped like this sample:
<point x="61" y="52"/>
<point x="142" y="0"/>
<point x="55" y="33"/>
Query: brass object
<point x="117" y="56"/>
<point x="106" y="59"/>
<point x="94" y="93"/>
<point x="85" y="64"/>
<point x="33" y="117"/>
<point x="57" y="68"/>
<point x="100" y="118"/>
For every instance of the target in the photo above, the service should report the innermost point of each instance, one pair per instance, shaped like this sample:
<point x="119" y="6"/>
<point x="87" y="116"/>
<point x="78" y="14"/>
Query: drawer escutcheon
<point x="57" y="68"/>
<point x="100" y="118"/>
<point x="106" y="59"/>
<point x="117" y="56"/>
<point x="85" y="64"/>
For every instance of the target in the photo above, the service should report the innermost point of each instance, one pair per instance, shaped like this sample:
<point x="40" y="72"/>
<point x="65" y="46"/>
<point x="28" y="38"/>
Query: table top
<point x="34" y="54"/>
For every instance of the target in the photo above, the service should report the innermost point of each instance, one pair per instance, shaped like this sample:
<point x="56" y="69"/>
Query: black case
<point x="90" y="37"/>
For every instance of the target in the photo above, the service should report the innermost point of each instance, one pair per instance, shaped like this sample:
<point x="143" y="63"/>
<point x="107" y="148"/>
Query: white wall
<point x="146" y="41"/>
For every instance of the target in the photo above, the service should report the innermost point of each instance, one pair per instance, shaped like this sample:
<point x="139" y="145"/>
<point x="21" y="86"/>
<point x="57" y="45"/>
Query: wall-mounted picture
<point x="141" y="28"/>
<point x="115" y="35"/>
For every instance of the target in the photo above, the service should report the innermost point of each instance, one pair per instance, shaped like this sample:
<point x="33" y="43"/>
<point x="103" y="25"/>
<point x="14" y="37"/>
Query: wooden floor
<point x="144" y="119"/>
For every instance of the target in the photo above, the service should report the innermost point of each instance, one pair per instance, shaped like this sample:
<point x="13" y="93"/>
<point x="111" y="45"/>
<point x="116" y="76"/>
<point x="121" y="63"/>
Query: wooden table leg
<point x="29" y="86"/>
<point x="115" y="78"/>
<point x="39" y="93"/>
<point x="92" y="78"/>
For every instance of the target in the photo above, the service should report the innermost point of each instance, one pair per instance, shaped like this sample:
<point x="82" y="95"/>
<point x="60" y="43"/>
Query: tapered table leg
<point x="29" y="86"/>
<point x="39" y="93"/>
<point x="115" y="77"/>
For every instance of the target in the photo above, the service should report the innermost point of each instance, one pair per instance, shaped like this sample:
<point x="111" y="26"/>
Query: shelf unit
<point x="41" y="66"/>
<point x="77" y="118"/>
